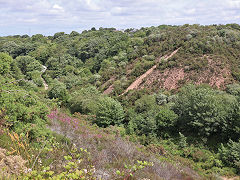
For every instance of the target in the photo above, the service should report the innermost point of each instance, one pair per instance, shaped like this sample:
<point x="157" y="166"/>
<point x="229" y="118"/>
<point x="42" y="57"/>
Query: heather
<point x="150" y="103"/>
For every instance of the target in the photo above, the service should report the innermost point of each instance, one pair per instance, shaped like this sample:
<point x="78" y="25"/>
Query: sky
<point x="50" y="16"/>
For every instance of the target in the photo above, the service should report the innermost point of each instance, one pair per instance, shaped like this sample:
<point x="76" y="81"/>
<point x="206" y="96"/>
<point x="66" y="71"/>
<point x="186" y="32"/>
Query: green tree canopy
<point x="28" y="64"/>
<point x="109" y="112"/>
<point x="59" y="91"/>
<point x="207" y="112"/>
<point x="5" y="63"/>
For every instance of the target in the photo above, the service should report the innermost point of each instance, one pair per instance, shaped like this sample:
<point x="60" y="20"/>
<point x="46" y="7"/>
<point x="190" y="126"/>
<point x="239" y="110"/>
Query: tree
<point x="24" y="111"/>
<point x="142" y="118"/>
<point x="28" y="64"/>
<point x="165" y="121"/>
<point x="161" y="99"/>
<point x="142" y="123"/>
<point x="42" y="53"/>
<point x="84" y="100"/>
<point x="207" y="112"/>
<point x="11" y="48"/>
<point x="109" y="112"/>
<point x="58" y="34"/>
<point x="5" y="63"/>
<point x="74" y="33"/>
<point x="145" y="103"/>
<point x="230" y="153"/>
<point x="58" y="91"/>
<point x="233" y="89"/>
<point x="39" y="38"/>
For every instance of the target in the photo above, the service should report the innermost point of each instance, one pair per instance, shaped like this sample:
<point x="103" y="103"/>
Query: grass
<point x="110" y="150"/>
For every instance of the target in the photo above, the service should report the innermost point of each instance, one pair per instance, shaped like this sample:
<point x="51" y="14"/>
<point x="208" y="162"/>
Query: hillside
<point x="151" y="103"/>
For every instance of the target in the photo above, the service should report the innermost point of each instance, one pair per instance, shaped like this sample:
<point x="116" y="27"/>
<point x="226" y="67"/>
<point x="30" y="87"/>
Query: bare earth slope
<point x="139" y="80"/>
<point x="215" y="74"/>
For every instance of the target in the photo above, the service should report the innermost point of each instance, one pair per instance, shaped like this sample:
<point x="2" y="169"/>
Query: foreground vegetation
<point x="83" y="125"/>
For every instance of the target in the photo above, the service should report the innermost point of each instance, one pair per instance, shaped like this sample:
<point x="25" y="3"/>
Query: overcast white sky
<point x="50" y="16"/>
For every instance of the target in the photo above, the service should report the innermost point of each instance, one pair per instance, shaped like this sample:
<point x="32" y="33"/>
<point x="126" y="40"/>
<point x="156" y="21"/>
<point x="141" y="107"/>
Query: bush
<point x="149" y="57"/>
<point x="161" y="99"/>
<point x="58" y="91"/>
<point x="142" y="119"/>
<point x="182" y="140"/>
<point x="24" y="111"/>
<point x="84" y="100"/>
<point x="142" y="123"/>
<point x="28" y="64"/>
<point x="206" y="112"/>
<point x="109" y="112"/>
<point x="145" y="103"/>
<point x="166" y="120"/>
<point x="230" y="154"/>
<point x="233" y="89"/>
<point x="5" y="61"/>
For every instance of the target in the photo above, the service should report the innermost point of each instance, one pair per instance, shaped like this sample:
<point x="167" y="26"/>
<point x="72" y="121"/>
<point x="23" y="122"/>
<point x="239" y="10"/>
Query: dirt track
<point x="44" y="82"/>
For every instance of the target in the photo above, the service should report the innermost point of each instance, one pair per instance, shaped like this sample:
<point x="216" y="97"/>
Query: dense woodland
<point x="65" y="112"/>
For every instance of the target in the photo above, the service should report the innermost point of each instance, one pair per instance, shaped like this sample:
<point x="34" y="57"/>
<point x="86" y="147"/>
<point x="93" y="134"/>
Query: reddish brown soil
<point x="139" y="80"/>
<point x="216" y="74"/>
<point x="172" y="78"/>
<point x="109" y="90"/>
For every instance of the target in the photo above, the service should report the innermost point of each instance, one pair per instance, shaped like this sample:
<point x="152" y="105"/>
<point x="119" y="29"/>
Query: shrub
<point x="58" y="91"/>
<point x="182" y="140"/>
<point x="145" y="103"/>
<point x="5" y="61"/>
<point x="24" y="112"/>
<point x="28" y="64"/>
<point x="233" y="89"/>
<point x="165" y="121"/>
<point x="142" y="123"/>
<point x="11" y="48"/>
<point x="109" y="112"/>
<point x="161" y="99"/>
<point x="230" y="154"/>
<point x="84" y="100"/>
<point x="141" y="67"/>
<point x="207" y="112"/>
<point x="149" y="57"/>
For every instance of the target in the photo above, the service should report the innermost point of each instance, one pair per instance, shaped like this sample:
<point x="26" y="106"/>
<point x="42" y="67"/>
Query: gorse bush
<point x="5" y="62"/>
<point x="80" y="66"/>
<point x="24" y="111"/>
